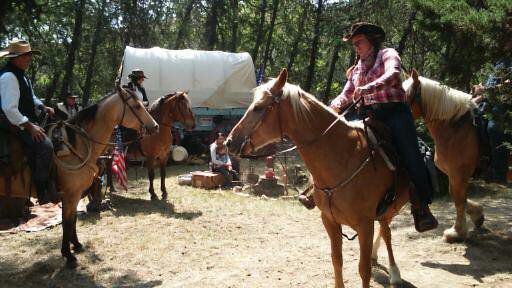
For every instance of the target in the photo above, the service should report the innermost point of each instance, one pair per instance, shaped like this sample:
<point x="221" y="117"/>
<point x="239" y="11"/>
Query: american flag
<point x="118" y="164"/>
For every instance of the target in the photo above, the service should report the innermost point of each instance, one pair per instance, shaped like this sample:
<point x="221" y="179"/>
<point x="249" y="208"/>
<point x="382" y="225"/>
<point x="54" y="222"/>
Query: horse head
<point x="412" y="87"/>
<point x="134" y="114"/>
<point x="260" y="124"/>
<point x="178" y="108"/>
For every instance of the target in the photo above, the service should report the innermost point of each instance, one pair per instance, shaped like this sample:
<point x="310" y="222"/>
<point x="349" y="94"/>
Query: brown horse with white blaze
<point x="347" y="189"/>
<point x="98" y="122"/>
<point x="448" y="116"/>
<point x="156" y="148"/>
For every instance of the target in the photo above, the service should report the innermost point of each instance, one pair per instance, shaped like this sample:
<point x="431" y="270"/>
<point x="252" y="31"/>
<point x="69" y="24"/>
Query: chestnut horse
<point x="98" y="122"/>
<point x="155" y="148"/>
<point x="347" y="188"/>
<point x="448" y="115"/>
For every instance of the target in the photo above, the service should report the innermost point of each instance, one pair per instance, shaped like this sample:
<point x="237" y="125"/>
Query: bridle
<point x="173" y="97"/>
<point x="125" y="103"/>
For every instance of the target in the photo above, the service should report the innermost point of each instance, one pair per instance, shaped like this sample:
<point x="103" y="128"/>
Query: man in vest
<point x="19" y="113"/>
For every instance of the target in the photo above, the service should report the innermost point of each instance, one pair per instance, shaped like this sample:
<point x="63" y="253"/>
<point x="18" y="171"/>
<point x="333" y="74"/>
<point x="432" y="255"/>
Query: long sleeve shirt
<point x="215" y="160"/>
<point x="10" y="96"/>
<point x="382" y="80"/>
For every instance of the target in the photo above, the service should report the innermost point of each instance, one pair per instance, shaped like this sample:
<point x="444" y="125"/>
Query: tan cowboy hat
<point x="17" y="48"/>
<point x="137" y="73"/>
<point x="371" y="30"/>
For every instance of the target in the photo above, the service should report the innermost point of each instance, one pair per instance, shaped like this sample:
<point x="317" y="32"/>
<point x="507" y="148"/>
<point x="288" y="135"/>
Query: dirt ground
<point x="202" y="238"/>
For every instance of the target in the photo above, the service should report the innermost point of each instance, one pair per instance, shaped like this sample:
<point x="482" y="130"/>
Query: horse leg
<point x="69" y="205"/>
<point x="151" y="176"/>
<point x="476" y="213"/>
<point x="77" y="246"/>
<point x="458" y="232"/>
<point x="375" y="247"/>
<point x="365" y="235"/>
<point x="394" y="273"/>
<point x="162" y="179"/>
<point x="334" y="232"/>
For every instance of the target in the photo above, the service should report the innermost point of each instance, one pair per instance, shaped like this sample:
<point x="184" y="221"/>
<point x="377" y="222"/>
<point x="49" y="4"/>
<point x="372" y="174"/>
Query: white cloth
<point x="213" y="79"/>
<point x="10" y="95"/>
<point x="70" y="112"/>
<point x="139" y="93"/>
<point x="213" y="155"/>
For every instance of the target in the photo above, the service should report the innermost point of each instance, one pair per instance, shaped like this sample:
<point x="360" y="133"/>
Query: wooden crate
<point x="207" y="179"/>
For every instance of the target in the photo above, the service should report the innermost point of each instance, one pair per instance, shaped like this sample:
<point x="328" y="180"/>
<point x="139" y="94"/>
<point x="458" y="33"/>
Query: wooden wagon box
<point x="207" y="179"/>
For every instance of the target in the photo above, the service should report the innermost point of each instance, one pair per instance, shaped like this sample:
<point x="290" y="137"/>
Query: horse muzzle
<point x="151" y="130"/>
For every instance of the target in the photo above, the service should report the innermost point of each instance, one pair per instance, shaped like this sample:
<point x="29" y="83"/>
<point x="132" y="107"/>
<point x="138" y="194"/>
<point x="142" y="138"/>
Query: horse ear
<point x="281" y="80"/>
<point x="414" y="75"/>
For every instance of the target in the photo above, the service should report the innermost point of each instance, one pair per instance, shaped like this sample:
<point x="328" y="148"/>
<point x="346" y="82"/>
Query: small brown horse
<point x="348" y="189"/>
<point x="448" y="115"/>
<point x="98" y="121"/>
<point x="155" y="148"/>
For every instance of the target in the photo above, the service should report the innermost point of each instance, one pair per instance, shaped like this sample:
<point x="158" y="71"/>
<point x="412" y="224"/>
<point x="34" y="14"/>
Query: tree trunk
<point x="212" y="21"/>
<point x="407" y="31"/>
<point x="259" y="34"/>
<point x="314" y="48"/>
<point x="295" y="46"/>
<point x="332" y="68"/>
<point x="234" y="25"/>
<point x="94" y="47"/>
<point x="75" y="45"/>
<point x="185" y="22"/>
<point x="275" y="6"/>
<point x="52" y="87"/>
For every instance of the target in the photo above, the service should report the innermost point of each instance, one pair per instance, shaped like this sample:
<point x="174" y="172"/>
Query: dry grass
<point x="216" y="238"/>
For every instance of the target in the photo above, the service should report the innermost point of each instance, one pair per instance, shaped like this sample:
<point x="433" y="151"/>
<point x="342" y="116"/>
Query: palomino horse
<point x="348" y="187"/>
<point x="98" y="122"/>
<point x="448" y="115"/>
<point x="155" y="148"/>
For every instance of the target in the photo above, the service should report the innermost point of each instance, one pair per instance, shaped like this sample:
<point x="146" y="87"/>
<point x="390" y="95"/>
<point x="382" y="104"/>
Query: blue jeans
<point x="499" y="153"/>
<point x="398" y="118"/>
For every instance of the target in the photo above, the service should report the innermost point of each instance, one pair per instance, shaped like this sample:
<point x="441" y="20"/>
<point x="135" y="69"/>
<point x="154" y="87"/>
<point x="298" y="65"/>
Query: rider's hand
<point x="360" y="91"/>
<point x="336" y="105"/>
<point x="49" y="110"/>
<point x="35" y="131"/>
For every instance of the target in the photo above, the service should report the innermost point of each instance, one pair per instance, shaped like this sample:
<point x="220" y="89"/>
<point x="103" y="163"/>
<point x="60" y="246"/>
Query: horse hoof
<point x="164" y="196"/>
<point x="479" y="222"/>
<point x="78" y="248"/>
<point x="154" y="198"/>
<point x="394" y="276"/>
<point x="452" y="236"/>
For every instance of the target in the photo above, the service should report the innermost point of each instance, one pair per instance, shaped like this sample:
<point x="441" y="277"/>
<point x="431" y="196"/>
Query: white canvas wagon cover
<point x="214" y="79"/>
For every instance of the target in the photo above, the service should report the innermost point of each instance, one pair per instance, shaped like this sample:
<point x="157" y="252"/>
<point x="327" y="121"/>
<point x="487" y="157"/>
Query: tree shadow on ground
<point x="488" y="254"/>
<point x="380" y="274"/>
<point x="52" y="272"/>
<point x="125" y="206"/>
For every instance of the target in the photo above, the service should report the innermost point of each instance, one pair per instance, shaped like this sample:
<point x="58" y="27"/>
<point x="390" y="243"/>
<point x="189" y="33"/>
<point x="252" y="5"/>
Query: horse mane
<point x="302" y="102"/>
<point x="440" y="102"/>
<point x="85" y="115"/>
<point x="155" y="108"/>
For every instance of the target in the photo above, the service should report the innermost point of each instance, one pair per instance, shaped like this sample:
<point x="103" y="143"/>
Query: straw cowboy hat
<point x="370" y="30"/>
<point x="137" y="73"/>
<point x="17" y="48"/>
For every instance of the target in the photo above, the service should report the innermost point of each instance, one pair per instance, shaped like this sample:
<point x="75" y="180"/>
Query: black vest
<point x="26" y="104"/>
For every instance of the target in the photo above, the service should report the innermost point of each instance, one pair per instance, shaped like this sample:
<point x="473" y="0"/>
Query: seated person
<point x="220" y="160"/>
<point x="69" y="108"/>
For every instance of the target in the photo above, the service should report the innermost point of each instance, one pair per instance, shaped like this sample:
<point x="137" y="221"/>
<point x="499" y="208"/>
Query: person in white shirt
<point x="220" y="160"/>
<point x="18" y="113"/>
<point x="136" y="78"/>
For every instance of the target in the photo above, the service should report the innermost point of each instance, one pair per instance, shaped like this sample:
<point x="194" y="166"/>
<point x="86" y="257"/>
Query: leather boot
<point x="306" y="200"/>
<point x="423" y="218"/>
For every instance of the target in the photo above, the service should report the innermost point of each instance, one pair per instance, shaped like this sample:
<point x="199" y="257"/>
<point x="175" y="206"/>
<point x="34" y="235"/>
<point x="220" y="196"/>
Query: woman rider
<point x="376" y="78"/>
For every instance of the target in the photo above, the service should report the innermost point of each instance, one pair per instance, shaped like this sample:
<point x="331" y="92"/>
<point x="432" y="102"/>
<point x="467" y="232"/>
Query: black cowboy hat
<point x="72" y="95"/>
<point x="137" y="74"/>
<point x="375" y="32"/>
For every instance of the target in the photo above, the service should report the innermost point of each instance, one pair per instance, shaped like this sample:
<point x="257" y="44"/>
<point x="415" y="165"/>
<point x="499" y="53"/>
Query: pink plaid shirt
<point x="382" y="81"/>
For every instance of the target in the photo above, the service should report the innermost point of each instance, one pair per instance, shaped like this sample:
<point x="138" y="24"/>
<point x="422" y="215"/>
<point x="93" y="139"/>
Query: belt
<point x="384" y="106"/>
